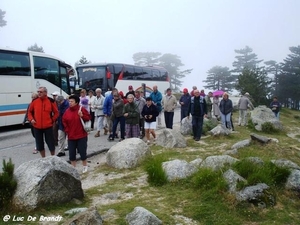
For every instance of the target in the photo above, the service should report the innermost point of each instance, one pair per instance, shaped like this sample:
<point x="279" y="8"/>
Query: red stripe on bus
<point x="12" y="113"/>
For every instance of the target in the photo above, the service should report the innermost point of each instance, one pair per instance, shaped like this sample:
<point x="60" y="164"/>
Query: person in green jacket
<point x="132" y="116"/>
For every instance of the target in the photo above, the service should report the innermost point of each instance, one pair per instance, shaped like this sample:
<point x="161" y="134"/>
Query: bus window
<point x="164" y="75"/>
<point x="47" y="69"/>
<point x="92" y="77"/>
<point x="138" y="72"/>
<point x="156" y="74"/>
<point x="128" y="73"/>
<point x="64" y="83"/>
<point x="147" y="74"/>
<point x="12" y="63"/>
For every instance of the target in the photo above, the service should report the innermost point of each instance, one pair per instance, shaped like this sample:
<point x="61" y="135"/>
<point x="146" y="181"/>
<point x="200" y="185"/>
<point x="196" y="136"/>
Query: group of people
<point x="58" y="119"/>
<point x="220" y="109"/>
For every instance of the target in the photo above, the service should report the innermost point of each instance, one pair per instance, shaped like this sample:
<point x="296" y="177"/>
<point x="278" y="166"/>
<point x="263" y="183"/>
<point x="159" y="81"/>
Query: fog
<point x="203" y="33"/>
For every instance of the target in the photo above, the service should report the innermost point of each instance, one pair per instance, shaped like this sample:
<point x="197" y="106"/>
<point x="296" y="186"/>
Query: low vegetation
<point x="8" y="186"/>
<point x="203" y="197"/>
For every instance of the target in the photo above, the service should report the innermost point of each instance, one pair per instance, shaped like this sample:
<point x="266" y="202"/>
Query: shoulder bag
<point x="86" y="124"/>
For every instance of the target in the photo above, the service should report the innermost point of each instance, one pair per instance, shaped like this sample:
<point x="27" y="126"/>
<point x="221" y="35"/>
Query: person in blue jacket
<point x="156" y="97"/>
<point x="63" y="105"/>
<point x="107" y="110"/>
<point x="184" y="102"/>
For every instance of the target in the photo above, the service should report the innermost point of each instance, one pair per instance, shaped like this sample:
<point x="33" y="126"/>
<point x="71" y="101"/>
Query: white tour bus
<point x="21" y="74"/>
<point x="120" y="76"/>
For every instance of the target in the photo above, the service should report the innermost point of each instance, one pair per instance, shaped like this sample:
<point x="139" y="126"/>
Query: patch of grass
<point x="156" y="174"/>
<point x="209" y="180"/>
<point x="267" y="173"/>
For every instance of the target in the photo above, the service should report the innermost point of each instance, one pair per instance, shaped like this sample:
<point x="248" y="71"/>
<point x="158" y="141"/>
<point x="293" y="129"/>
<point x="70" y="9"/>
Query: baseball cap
<point x="55" y="93"/>
<point x="185" y="90"/>
<point x="130" y="87"/>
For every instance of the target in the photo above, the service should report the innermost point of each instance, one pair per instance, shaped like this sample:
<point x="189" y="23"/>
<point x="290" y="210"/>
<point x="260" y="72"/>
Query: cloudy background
<point x="204" y="33"/>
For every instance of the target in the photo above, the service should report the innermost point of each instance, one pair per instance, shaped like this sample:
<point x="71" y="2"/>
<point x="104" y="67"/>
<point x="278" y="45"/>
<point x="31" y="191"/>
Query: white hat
<point x="55" y="93"/>
<point x="247" y="93"/>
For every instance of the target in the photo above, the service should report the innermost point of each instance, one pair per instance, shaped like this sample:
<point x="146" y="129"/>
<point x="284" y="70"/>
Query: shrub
<point x="251" y="125"/>
<point x="156" y="174"/>
<point x="8" y="185"/>
<point x="297" y="117"/>
<point x="207" y="126"/>
<point x="268" y="128"/>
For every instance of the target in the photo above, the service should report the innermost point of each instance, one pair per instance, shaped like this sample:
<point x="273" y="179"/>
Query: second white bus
<point x="121" y="76"/>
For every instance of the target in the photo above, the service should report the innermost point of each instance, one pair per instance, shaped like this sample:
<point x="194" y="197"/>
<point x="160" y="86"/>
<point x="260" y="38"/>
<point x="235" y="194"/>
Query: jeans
<point x="169" y="119"/>
<point x="120" y="119"/>
<point x="184" y="113"/>
<point x="226" y="120"/>
<point x="276" y="115"/>
<point x="197" y="122"/>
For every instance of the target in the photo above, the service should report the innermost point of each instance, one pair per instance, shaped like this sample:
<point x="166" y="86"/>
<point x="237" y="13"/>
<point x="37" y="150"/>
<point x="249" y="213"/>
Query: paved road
<point x="19" y="144"/>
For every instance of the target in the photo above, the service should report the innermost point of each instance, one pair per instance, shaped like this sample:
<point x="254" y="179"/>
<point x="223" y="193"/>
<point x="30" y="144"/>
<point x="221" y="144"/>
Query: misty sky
<point x="204" y="33"/>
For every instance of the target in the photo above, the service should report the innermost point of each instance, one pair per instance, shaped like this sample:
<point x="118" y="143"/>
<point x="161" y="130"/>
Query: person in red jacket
<point x="77" y="136"/>
<point x="42" y="113"/>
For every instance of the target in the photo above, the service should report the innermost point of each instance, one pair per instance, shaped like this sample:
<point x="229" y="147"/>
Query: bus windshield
<point x="91" y="77"/>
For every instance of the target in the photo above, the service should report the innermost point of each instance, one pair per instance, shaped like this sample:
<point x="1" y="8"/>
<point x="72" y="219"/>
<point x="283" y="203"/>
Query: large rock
<point x="232" y="179"/>
<point x="170" y="138"/>
<point x="186" y="126"/>
<point x="178" y="169"/>
<point x="46" y="181"/>
<point x="196" y="162"/>
<point x="260" y="138"/>
<point x="141" y="216"/>
<point x="87" y="217"/>
<point x="261" y="115"/>
<point x="127" y="154"/>
<point x="219" y="131"/>
<point x="241" y="144"/>
<point x="218" y="161"/>
<point x="285" y="163"/>
<point x="293" y="181"/>
<point x="257" y="194"/>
